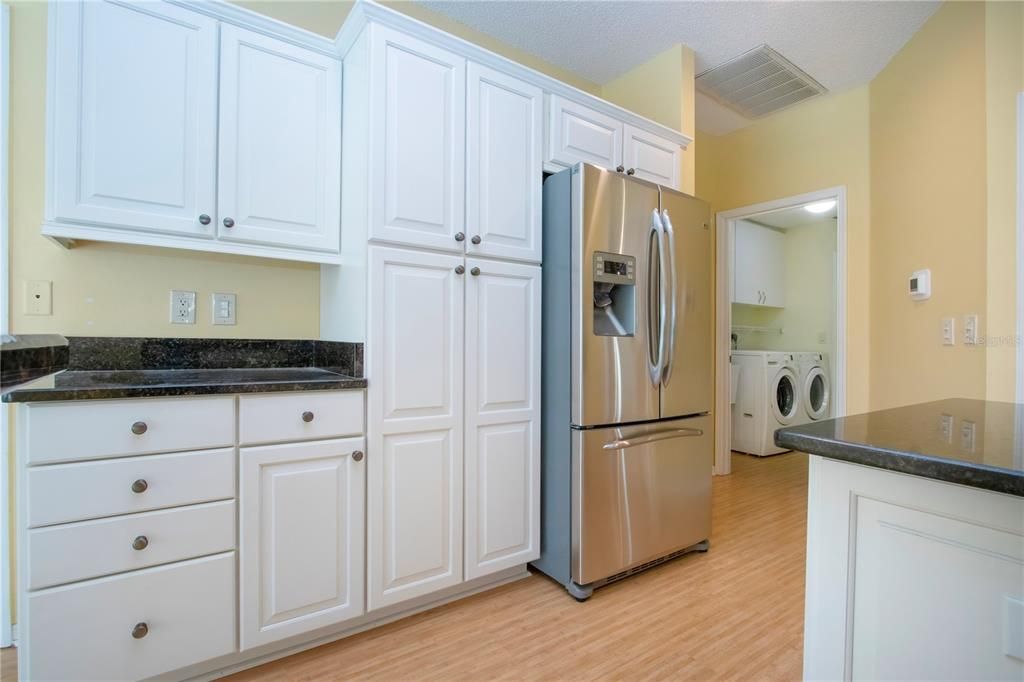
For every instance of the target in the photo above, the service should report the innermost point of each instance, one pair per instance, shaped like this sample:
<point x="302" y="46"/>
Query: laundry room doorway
<point x="780" y="298"/>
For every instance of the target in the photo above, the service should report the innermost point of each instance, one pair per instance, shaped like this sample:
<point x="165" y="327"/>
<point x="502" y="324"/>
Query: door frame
<point x="723" y="310"/>
<point x="1020" y="251"/>
<point x="6" y="627"/>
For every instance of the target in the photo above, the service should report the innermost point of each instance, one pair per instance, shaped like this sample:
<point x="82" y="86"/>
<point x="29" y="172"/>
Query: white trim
<point x="723" y="310"/>
<point x="1020" y="248"/>
<point x="366" y="11"/>
<point x="6" y="634"/>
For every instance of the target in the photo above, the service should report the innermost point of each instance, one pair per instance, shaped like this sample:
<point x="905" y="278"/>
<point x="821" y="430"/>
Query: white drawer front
<point x="89" y="490"/>
<point x="271" y="418"/>
<point x="76" y="551"/>
<point x="84" y="631"/>
<point x="61" y="432"/>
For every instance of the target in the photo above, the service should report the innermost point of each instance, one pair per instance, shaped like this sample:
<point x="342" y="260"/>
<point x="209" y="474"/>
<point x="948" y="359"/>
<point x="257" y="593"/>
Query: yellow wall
<point x="821" y="143"/>
<point x="662" y="89"/>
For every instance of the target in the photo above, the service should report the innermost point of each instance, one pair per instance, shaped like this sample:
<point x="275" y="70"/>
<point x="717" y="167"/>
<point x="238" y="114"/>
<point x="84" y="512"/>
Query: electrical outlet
<point x="948" y="331"/>
<point x="223" y="308"/>
<point x="39" y="297"/>
<point x="967" y="432"/>
<point x="183" y="307"/>
<point x="970" y="329"/>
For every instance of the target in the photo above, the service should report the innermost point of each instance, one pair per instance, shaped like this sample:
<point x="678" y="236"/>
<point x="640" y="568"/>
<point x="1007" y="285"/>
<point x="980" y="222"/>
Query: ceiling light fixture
<point x="820" y="206"/>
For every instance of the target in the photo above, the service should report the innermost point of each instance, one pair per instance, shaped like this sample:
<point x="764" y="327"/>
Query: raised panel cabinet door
<point x="134" y="115"/>
<point x="747" y="264"/>
<point x="414" y="424"/>
<point x="774" y="269"/>
<point x="503" y="336"/>
<point x="504" y="172"/>
<point x="280" y="143"/>
<point x="651" y="157"/>
<point x="418" y="142"/>
<point x="301" y="536"/>
<point x="577" y="133"/>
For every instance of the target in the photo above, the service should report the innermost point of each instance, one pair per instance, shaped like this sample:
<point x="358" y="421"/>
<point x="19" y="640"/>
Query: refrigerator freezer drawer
<point x="639" y="493"/>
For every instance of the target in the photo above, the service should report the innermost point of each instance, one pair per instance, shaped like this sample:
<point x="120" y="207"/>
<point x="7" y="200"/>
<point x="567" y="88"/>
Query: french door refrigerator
<point x="627" y="432"/>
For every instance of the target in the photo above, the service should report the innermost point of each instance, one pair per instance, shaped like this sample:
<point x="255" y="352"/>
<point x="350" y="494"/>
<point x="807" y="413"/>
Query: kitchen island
<point x="915" y="542"/>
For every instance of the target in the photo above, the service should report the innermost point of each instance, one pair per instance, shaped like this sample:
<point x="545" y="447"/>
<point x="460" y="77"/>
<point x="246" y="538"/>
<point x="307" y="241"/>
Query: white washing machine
<point x="815" y="385"/>
<point x="767" y="398"/>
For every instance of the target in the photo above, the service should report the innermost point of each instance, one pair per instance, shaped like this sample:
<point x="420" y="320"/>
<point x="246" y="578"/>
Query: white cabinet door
<point x="414" y="424"/>
<point x="134" y="107"/>
<point x="577" y="133"/>
<point x="280" y="143"/>
<point x="301" y="537"/>
<point x="418" y="142"/>
<point x="773" y="271"/>
<point x="758" y="265"/>
<point x="504" y="173"/>
<point x="503" y="337"/>
<point x="651" y="157"/>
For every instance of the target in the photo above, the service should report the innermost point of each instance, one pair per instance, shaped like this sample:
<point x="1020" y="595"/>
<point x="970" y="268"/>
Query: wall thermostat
<point x="921" y="285"/>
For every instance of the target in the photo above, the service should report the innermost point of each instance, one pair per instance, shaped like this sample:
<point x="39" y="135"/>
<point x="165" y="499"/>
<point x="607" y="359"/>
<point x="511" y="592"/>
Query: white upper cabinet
<point x="651" y="157"/>
<point x="502" y="416"/>
<point x="418" y="132"/>
<point x="280" y="143"/>
<point x="504" y="134"/>
<point x="578" y="133"/>
<point x="759" y="268"/>
<point x="134" y="116"/>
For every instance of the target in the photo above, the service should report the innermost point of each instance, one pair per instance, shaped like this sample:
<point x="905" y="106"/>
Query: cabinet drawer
<point x="60" y="432"/>
<point x="89" y="490"/>
<point x="283" y="417"/>
<point x="76" y="551"/>
<point x="85" y="630"/>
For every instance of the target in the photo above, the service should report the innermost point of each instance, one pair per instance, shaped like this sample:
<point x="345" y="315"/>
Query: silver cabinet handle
<point x="358" y="455"/>
<point x="620" y="168"/>
<point x="475" y="239"/>
<point x="307" y="416"/>
<point x="140" y="630"/>
<point x="140" y="543"/>
<point x="139" y="428"/>
<point x="631" y="171"/>
<point x="140" y="486"/>
<point x="475" y="271"/>
<point x="460" y="236"/>
<point x="667" y="434"/>
<point x="459" y="269"/>
<point x="204" y="219"/>
<point x="229" y="222"/>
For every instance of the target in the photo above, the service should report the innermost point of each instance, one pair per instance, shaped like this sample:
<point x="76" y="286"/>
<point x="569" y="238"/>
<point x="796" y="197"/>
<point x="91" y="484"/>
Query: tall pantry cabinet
<point x="441" y="210"/>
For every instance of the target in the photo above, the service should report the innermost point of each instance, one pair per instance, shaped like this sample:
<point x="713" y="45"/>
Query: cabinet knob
<point x="475" y="271"/>
<point x="620" y="168"/>
<point x="358" y="455"/>
<point x="139" y="428"/>
<point x="631" y="171"/>
<point x="307" y="416"/>
<point x="459" y="269"/>
<point x="475" y="239"/>
<point x="140" y="486"/>
<point x="460" y="236"/>
<point x="229" y="222"/>
<point x="140" y="630"/>
<point x="140" y="543"/>
<point x="204" y="219"/>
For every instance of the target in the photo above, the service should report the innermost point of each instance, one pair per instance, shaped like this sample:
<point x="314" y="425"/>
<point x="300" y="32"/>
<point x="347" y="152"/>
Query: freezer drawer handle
<point x="651" y="438"/>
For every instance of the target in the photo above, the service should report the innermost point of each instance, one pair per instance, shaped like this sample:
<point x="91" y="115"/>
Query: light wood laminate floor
<point x="733" y="613"/>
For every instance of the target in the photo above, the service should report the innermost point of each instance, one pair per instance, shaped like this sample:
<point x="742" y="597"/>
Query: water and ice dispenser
<point x="614" y="294"/>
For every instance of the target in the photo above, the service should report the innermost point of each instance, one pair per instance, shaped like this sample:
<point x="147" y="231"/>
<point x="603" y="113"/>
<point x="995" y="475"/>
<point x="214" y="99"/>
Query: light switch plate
<point x="39" y="297"/>
<point x="183" y="307"/>
<point x="970" y="329"/>
<point x="948" y="331"/>
<point x="968" y="429"/>
<point x="223" y="306"/>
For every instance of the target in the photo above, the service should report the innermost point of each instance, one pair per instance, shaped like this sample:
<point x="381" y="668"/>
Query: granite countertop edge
<point x="972" y="474"/>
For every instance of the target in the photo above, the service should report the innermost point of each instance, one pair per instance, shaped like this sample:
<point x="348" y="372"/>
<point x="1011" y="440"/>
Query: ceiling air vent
<point x="758" y="82"/>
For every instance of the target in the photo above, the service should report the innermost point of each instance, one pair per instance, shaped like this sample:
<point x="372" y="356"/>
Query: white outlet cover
<point x="39" y="297"/>
<point x="183" y="307"/>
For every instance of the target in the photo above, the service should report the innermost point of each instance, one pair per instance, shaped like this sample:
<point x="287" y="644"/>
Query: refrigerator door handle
<point x="671" y="343"/>
<point x="655" y="352"/>
<point x="646" y="438"/>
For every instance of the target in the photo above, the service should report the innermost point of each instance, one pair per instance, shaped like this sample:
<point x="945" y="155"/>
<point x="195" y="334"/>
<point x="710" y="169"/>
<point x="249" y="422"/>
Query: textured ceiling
<point x="840" y="44"/>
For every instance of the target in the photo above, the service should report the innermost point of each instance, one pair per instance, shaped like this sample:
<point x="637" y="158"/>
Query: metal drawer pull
<point x="652" y="438"/>
<point x="307" y="417"/>
<point x="140" y="543"/>
<point x="358" y="455"/>
<point x="139" y="486"/>
<point x="139" y="428"/>
<point x="140" y="630"/>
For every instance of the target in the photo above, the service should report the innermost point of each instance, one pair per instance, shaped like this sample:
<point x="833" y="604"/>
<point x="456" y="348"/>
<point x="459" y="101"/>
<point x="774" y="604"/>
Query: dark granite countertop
<point x="976" y="443"/>
<point x="27" y="357"/>
<point x="116" y="367"/>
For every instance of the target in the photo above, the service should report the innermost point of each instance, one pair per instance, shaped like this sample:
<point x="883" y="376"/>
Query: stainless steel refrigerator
<point x="627" y="432"/>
